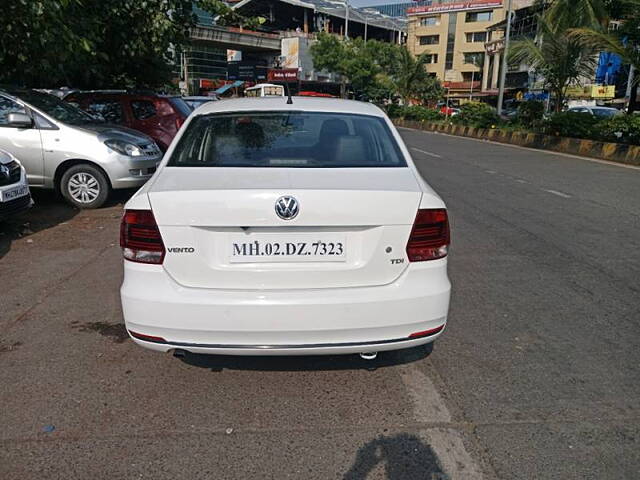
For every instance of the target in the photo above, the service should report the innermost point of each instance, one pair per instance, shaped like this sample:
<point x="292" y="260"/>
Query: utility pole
<point x="346" y="20"/>
<point x="505" y="53"/>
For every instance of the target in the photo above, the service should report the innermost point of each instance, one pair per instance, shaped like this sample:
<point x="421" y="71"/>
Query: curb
<point x="613" y="152"/>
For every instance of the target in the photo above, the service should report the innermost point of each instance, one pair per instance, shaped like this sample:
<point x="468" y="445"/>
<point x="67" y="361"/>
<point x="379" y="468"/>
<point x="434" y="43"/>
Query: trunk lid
<point x="206" y="215"/>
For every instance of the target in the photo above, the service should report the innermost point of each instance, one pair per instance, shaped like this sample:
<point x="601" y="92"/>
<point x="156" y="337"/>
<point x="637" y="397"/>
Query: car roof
<point x="304" y="104"/>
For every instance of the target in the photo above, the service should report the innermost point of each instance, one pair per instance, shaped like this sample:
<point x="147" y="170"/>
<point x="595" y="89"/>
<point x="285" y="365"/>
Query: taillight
<point x="429" y="238"/>
<point x="140" y="237"/>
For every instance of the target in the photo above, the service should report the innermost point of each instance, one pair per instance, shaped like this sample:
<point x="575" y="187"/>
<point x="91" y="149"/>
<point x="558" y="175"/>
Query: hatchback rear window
<point x="287" y="139"/>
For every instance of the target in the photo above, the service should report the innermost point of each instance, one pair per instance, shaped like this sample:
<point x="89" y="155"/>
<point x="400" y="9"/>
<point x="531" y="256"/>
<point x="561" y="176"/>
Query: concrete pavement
<point x="536" y="377"/>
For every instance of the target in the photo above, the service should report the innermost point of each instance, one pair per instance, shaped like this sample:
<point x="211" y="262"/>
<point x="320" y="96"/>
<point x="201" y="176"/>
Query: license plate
<point x="13" y="193"/>
<point x="287" y="248"/>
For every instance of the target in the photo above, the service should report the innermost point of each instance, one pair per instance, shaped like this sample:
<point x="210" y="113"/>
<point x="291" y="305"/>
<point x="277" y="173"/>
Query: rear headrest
<point x="350" y="149"/>
<point x="333" y="128"/>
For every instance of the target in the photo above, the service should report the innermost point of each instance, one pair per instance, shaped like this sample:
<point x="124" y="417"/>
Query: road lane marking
<point x="555" y="192"/>
<point x="446" y="443"/>
<point x="431" y="154"/>
<point x="537" y="150"/>
<point x="452" y="456"/>
<point x="428" y="405"/>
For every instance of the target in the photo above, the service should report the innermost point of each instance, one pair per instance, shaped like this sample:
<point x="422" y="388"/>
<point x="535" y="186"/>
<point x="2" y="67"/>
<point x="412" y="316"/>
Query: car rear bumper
<point x="285" y="322"/>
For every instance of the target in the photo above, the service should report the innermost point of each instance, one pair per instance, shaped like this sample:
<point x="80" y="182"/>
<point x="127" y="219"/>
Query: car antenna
<point x="289" y="100"/>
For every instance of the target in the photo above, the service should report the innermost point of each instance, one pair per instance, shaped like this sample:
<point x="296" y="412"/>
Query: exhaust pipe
<point x="179" y="353"/>
<point x="369" y="355"/>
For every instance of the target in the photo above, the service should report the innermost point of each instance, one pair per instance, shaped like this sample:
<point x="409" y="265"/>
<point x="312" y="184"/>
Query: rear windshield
<point x="287" y="139"/>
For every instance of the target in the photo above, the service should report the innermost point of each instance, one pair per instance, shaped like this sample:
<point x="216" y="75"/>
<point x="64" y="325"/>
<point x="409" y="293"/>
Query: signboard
<point x="450" y="76"/>
<point x="206" y="83"/>
<point x="290" y="49"/>
<point x="234" y="55"/>
<point x="591" y="91"/>
<point x="603" y="91"/>
<point x="282" y="75"/>
<point x="494" y="47"/>
<point x="456" y="7"/>
<point x="246" y="71"/>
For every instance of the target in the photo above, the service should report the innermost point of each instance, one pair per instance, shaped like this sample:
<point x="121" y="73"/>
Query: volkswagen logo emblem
<point x="287" y="207"/>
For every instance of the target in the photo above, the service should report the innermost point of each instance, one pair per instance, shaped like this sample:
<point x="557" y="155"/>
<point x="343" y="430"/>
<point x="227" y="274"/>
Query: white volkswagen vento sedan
<point x="276" y="228"/>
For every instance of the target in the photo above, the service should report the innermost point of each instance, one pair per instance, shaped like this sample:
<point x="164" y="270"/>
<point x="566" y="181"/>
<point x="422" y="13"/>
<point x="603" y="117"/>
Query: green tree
<point x="624" y="42"/>
<point x="559" y="58"/>
<point x="376" y="70"/>
<point x="94" y="43"/>
<point x="410" y="77"/>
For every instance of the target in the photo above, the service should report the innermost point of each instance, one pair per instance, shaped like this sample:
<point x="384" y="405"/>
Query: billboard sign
<point x="290" y="49"/>
<point x="282" y="75"/>
<point x="455" y="7"/>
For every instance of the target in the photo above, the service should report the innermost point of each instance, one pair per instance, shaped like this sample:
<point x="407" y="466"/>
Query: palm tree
<point x="409" y="74"/>
<point x="565" y="14"/>
<point x="561" y="59"/>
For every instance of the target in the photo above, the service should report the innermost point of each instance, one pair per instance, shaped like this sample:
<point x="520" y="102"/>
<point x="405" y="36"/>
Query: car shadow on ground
<point x="403" y="456"/>
<point x="48" y="211"/>
<point x="217" y="363"/>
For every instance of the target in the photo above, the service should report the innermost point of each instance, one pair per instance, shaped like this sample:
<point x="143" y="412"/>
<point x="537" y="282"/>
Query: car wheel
<point x="85" y="186"/>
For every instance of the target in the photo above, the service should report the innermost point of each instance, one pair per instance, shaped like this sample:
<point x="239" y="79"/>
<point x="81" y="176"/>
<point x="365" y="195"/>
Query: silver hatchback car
<point x="61" y="147"/>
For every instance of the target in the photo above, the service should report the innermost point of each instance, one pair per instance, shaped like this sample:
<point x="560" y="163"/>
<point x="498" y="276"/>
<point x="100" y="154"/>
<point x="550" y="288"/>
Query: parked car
<point x="600" y="112"/>
<point x="450" y="111"/>
<point x="14" y="188"/>
<point x="275" y="229"/>
<point x="61" y="147"/>
<point x="158" y="116"/>
<point x="195" y="101"/>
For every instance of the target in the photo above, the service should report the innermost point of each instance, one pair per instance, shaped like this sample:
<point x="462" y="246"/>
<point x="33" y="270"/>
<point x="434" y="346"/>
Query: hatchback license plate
<point x="14" y="193"/>
<point x="287" y="248"/>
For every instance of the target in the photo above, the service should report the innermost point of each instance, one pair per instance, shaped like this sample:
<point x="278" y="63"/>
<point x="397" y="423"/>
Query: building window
<point x="479" y="16"/>
<point x="430" y="21"/>
<point x="451" y="41"/>
<point x="476" y="37"/>
<point x="429" y="39"/>
<point x="432" y="58"/>
<point x="471" y="76"/>
<point x="475" y="58"/>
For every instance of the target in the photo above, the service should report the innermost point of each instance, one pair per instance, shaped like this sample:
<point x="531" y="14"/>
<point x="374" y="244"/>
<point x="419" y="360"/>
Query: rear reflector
<point x="427" y="333"/>
<point x="140" y="237"/>
<point x="147" y="338"/>
<point x="429" y="239"/>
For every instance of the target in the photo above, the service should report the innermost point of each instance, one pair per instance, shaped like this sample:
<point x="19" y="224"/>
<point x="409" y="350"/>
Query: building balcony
<point x="462" y="85"/>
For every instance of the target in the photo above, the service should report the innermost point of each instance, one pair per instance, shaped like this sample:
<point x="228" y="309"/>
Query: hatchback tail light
<point x="140" y="237"/>
<point x="429" y="239"/>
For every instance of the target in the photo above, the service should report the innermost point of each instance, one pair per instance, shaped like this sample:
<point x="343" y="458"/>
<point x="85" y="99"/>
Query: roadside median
<point x="614" y="152"/>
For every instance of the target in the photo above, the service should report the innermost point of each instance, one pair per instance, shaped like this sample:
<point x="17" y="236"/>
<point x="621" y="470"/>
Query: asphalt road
<point x="537" y="376"/>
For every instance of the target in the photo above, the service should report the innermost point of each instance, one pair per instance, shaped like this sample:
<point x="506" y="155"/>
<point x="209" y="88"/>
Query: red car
<point x="159" y="116"/>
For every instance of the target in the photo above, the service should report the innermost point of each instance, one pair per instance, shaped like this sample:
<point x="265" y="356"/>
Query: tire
<point x="85" y="186"/>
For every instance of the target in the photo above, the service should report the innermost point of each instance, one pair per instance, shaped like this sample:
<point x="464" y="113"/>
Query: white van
<point x="264" y="90"/>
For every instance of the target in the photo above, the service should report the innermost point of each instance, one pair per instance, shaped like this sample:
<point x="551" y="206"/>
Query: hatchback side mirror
<point x="19" y="120"/>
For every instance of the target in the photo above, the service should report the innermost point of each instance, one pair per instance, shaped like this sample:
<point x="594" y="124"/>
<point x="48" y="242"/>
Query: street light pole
<point x="346" y="20"/>
<point x="505" y="53"/>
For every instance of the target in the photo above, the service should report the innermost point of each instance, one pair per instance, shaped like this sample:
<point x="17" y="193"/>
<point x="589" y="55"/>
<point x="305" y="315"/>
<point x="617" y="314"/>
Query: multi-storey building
<point x="396" y="9"/>
<point x="453" y="35"/>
